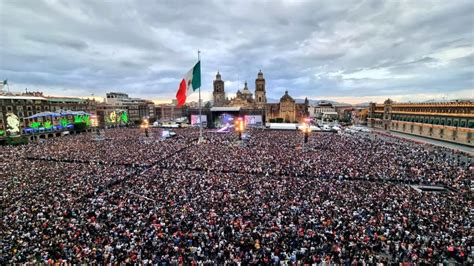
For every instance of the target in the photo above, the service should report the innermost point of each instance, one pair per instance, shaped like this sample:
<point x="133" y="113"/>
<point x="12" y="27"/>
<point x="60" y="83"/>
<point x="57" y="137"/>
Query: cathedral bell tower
<point x="218" y="93"/>
<point x="260" y="94"/>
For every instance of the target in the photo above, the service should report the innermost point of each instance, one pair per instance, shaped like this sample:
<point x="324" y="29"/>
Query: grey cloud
<point x="58" y="40"/>
<point x="144" y="46"/>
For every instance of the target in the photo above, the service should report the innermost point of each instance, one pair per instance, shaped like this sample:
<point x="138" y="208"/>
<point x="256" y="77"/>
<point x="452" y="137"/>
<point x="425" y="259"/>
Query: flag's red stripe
<point x="181" y="94"/>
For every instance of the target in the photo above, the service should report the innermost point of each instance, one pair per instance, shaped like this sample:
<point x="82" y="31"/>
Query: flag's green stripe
<point x="197" y="76"/>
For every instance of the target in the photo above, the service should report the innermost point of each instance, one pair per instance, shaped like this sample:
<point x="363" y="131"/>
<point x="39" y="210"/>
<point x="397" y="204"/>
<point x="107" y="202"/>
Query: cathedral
<point x="286" y="110"/>
<point x="244" y="98"/>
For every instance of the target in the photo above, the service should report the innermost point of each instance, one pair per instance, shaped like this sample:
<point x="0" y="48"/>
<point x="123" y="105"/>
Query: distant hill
<point x="311" y="102"/>
<point x="366" y="104"/>
<point x="448" y="100"/>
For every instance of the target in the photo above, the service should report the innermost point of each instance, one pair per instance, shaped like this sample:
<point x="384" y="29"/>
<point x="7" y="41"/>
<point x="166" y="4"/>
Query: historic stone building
<point x="260" y="94"/>
<point x="219" y="93"/>
<point x="246" y="102"/>
<point x="287" y="109"/>
<point x="447" y="121"/>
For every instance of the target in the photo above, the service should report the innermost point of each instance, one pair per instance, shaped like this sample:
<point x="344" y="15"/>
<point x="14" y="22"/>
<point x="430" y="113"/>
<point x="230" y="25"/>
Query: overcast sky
<point x="351" y="51"/>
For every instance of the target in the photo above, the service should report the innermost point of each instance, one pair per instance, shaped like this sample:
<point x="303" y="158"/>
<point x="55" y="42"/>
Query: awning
<point x="225" y="109"/>
<point x="54" y="114"/>
<point x="44" y="114"/>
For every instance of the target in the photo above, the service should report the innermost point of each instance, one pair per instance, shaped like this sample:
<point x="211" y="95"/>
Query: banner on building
<point x="195" y="120"/>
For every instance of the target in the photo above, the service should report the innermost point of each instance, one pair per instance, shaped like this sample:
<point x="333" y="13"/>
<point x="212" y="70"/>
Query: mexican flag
<point x="190" y="83"/>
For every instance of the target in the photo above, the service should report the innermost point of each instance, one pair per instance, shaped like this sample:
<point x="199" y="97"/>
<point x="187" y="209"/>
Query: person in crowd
<point x="345" y="199"/>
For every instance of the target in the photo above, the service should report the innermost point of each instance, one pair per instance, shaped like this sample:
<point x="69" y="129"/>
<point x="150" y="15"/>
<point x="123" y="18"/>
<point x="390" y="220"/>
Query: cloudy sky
<point x="350" y="51"/>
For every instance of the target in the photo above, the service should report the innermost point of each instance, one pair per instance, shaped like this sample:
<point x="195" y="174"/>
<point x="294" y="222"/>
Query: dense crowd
<point x="119" y="146"/>
<point x="360" y="156"/>
<point x="133" y="199"/>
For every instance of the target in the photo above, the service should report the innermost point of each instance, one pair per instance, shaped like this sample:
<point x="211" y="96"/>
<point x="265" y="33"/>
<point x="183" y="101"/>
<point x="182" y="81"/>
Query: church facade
<point x="286" y="110"/>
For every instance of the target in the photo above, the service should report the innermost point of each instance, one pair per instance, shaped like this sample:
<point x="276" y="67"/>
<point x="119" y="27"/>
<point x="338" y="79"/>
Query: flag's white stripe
<point x="189" y="78"/>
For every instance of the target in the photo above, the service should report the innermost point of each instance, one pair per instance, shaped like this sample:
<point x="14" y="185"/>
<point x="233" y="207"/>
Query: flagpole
<point x="200" y="106"/>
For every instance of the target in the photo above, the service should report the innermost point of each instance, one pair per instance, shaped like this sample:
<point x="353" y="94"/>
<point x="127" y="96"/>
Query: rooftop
<point x="16" y="97"/>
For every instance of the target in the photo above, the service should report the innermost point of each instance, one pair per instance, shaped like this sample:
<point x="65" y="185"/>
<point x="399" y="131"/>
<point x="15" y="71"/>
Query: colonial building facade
<point x="286" y="109"/>
<point x="447" y="121"/>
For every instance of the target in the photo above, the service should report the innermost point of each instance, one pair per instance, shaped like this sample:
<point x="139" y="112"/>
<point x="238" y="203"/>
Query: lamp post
<point x="145" y="126"/>
<point x="239" y="126"/>
<point x="306" y="129"/>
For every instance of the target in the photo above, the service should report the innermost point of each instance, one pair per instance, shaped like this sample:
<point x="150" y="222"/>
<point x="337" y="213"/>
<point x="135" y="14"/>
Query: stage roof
<point x="225" y="109"/>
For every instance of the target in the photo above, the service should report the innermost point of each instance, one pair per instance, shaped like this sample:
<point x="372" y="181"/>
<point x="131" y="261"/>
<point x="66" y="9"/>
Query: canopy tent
<point x="44" y="114"/>
<point x="58" y="113"/>
<point x="69" y="112"/>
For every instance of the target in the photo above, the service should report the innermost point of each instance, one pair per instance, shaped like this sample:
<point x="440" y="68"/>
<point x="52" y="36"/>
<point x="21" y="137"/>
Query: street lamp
<point x="306" y="129"/>
<point x="240" y="126"/>
<point x="145" y="125"/>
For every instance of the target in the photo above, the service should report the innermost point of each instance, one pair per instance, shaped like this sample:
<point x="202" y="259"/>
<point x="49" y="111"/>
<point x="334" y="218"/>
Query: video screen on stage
<point x="225" y="120"/>
<point x="195" y="120"/>
<point x="253" y="120"/>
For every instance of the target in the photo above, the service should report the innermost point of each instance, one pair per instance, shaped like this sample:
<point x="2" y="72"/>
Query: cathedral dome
<point x="286" y="97"/>
<point x="246" y="89"/>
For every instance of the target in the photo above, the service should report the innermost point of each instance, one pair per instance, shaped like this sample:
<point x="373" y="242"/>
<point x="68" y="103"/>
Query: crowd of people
<point x="339" y="198"/>
<point x="360" y="156"/>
